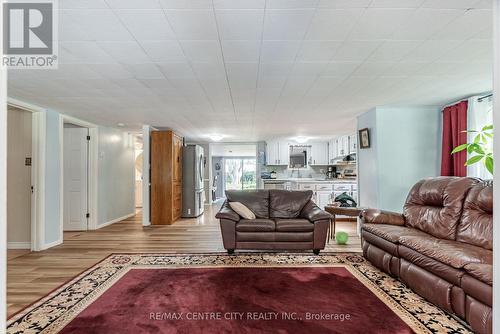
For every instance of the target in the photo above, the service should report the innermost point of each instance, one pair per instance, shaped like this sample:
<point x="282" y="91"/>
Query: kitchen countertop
<point x="312" y="180"/>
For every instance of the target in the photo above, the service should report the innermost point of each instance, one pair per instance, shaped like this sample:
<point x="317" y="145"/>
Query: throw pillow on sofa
<point x="242" y="210"/>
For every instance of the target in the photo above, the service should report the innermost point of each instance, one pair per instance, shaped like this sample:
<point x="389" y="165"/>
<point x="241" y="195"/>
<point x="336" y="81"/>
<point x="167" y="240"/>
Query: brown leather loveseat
<point x="285" y="220"/>
<point x="441" y="246"/>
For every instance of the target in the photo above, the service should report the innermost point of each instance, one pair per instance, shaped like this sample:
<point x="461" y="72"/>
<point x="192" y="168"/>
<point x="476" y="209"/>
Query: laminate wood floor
<point x="31" y="276"/>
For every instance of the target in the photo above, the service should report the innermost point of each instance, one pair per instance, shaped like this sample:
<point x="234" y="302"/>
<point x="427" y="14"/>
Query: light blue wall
<point x="52" y="181"/>
<point x="116" y="175"/>
<point x="405" y="147"/>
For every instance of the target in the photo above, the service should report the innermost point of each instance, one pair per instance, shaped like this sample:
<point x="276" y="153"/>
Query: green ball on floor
<point x="341" y="237"/>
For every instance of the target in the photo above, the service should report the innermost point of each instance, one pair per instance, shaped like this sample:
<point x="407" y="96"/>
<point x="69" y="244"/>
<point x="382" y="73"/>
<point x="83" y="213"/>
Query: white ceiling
<point x="233" y="150"/>
<point x="255" y="69"/>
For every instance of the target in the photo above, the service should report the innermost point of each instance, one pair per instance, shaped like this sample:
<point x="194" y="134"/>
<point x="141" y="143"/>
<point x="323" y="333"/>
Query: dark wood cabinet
<point x="166" y="177"/>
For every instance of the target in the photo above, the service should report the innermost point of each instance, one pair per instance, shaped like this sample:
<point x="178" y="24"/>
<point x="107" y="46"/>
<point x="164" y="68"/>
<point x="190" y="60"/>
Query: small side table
<point x="341" y="211"/>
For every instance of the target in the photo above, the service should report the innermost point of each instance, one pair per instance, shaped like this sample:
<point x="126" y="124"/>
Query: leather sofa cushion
<point x="287" y="204"/>
<point x="256" y="225"/>
<point x="256" y="200"/>
<point x="452" y="253"/>
<point x="294" y="225"/>
<point x="476" y="225"/>
<point x="480" y="271"/>
<point x="392" y="233"/>
<point x="434" y="205"/>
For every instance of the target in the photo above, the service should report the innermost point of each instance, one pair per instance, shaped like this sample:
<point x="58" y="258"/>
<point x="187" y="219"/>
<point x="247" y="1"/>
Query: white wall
<point x="3" y="188"/>
<point x="496" y="189"/>
<point x="405" y="147"/>
<point x="116" y="175"/>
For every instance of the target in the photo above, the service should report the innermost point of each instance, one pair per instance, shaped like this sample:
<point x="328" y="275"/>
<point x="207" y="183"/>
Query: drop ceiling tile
<point x="240" y="24"/>
<point x="372" y="68"/>
<point x="147" y="24"/>
<point x="208" y="70"/>
<point x="133" y="4"/>
<point x="344" y="3"/>
<point x="163" y="51"/>
<point x="193" y="24"/>
<point x="394" y="50"/>
<point x="467" y="25"/>
<point x="468" y="52"/>
<point x="279" y="51"/>
<point x="202" y="51"/>
<point x="83" y="4"/>
<point x="287" y="24"/>
<point x="341" y="68"/>
<point x="112" y="71"/>
<point x="318" y="50"/>
<point x="454" y="4"/>
<point x="308" y="68"/>
<point x="92" y="24"/>
<point x="333" y="24"/>
<point x="178" y="69"/>
<point x="239" y="4"/>
<point x="85" y="52"/>
<point x="144" y="71"/>
<point x="186" y="4"/>
<point x="426" y="23"/>
<point x="396" y="3"/>
<point x="431" y="50"/>
<point x="125" y="52"/>
<point x="377" y="23"/>
<point x="276" y="68"/>
<point x="245" y="51"/>
<point x="291" y="4"/>
<point x="356" y="50"/>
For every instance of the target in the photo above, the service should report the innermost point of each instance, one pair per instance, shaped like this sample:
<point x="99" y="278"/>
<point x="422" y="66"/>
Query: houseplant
<point x="481" y="148"/>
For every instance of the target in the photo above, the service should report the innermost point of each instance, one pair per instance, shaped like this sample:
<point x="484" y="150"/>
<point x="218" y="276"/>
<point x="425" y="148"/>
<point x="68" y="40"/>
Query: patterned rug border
<point x="352" y="261"/>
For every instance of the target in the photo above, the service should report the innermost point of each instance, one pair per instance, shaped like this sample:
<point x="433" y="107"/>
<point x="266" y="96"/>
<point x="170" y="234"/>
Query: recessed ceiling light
<point x="121" y="125"/>
<point x="301" y="139"/>
<point x="215" y="137"/>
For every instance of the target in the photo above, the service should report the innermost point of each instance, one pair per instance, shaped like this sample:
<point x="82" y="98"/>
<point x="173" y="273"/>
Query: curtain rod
<point x="484" y="97"/>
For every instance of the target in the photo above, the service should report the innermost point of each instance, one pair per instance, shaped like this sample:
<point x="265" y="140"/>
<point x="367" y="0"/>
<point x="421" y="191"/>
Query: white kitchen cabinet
<point x="277" y="153"/>
<point x="323" y="198"/>
<point x="353" y="144"/>
<point x="319" y="154"/>
<point x="284" y="153"/>
<point x="342" y="146"/>
<point x="332" y="151"/>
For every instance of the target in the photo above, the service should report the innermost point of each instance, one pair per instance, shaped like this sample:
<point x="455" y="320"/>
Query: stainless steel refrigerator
<point x="193" y="196"/>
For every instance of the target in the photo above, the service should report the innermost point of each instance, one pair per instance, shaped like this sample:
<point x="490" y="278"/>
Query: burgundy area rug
<point x="213" y="293"/>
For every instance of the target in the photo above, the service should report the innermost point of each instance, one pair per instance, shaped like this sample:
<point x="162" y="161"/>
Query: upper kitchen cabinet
<point x="353" y="144"/>
<point x="342" y="146"/>
<point x="319" y="154"/>
<point x="277" y="153"/>
<point x="332" y="151"/>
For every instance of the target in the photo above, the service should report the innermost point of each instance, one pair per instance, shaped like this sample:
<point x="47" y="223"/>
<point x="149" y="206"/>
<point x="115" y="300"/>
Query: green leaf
<point x="487" y="127"/>
<point x="477" y="139"/>
<point x="459" y="148"/>
<point x="478" y="149"/>
<point x="474" y="159"/>
<point x="489" y="135"/>
<point x="488" y="162"/>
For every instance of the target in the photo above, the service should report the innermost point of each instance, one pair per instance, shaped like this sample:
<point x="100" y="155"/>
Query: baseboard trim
<point x="18" y="245"/>
<point x="115" y="220"/>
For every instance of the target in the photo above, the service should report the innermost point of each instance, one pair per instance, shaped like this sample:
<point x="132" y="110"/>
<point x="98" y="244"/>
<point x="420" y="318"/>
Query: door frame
<point x="92" y="170"/>
<point x="241" y="158"/>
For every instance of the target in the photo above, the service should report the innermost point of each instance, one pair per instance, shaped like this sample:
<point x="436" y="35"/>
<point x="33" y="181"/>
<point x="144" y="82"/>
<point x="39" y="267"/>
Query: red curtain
<point x="454" y="125"/>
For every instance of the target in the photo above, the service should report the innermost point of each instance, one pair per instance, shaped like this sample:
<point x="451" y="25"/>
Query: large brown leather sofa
<point x="285" y="220"/>
<point x="441" y="246"/>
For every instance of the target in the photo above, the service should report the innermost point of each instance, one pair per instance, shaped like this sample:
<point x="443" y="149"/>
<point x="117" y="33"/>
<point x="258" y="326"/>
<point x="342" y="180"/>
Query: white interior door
<point x="75" y="178"/>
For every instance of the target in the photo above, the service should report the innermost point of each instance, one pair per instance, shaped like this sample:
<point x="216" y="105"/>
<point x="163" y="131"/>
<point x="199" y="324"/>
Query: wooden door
<point x="161" y="177"/>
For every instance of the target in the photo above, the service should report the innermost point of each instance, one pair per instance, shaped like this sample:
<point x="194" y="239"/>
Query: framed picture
<point x="364" y="138"/>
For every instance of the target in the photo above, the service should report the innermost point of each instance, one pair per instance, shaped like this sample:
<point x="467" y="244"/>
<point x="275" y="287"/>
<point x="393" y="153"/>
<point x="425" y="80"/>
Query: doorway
<point x="240" y="173"/>
<point x="138" y="149"/>
<point x="75" y="177"/>
<point x="19" y="181"/>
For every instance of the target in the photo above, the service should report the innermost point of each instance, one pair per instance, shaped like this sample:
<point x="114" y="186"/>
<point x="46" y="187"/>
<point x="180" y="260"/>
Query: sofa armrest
<point x="226" y="212"/>
<point x="376" y="216"/>
<point x="313" y="213"/>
